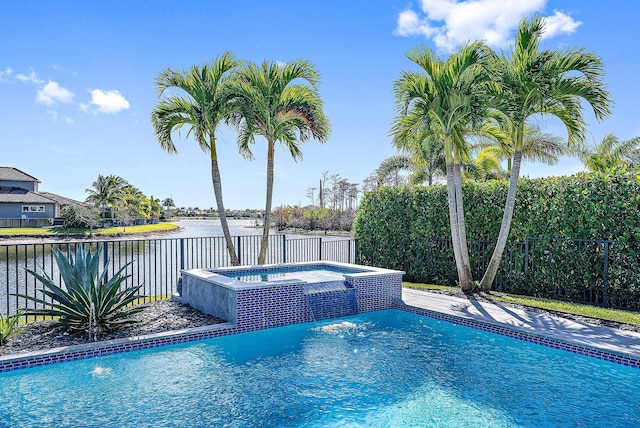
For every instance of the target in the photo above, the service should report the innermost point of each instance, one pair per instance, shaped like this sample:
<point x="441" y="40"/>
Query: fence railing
<point x="156" y="263"/>
<point x="602" y="272"/>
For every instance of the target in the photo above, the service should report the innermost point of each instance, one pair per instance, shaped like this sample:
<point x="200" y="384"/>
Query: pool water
<point x="303" y="274"/>
<point x="382" y="369"/>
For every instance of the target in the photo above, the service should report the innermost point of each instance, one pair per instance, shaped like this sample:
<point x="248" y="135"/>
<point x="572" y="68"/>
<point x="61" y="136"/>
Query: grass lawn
<point x="47" y="232"/>
<point x="616" y="315"/>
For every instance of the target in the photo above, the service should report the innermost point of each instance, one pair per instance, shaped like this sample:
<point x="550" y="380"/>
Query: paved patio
<point x="594" y="336"/>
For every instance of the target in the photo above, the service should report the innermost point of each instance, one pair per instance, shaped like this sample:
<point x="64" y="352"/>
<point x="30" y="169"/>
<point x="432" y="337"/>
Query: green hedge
<point x="408" y="228"/>
<point x="584" y="206"/>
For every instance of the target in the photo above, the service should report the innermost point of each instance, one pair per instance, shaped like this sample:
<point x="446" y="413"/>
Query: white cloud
<point x="5" y="74"/>
<point x="31" y="77"/>
<point x="450" y="23"/>
<point x="560" y="23"/>
<point x="52" y="93"/>
<point x="106" y="102"/>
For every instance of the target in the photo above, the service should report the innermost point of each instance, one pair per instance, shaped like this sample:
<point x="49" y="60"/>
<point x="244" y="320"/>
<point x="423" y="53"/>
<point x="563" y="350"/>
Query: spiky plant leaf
<point x="87" y="300"/>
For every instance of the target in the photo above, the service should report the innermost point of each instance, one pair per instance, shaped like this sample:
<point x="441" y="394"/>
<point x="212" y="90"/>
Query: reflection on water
<point x="202" y="228"/>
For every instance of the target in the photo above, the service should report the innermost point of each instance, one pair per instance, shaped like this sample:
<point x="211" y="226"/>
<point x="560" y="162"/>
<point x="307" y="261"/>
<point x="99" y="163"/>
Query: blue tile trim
<point x="118" y="346"/>
<point x="527" y="337"/>
<point x="125" y="345"/>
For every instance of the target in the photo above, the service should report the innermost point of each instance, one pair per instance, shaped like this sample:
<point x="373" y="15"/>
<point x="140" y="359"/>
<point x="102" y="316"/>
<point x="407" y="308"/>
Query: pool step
<point x="332" y="299"/>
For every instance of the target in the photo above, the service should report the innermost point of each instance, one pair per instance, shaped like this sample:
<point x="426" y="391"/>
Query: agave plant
<point x="87" y="301"/>
<point x="8" y="326"/>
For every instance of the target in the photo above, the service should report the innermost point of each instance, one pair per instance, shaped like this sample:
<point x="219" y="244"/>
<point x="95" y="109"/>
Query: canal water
<point x="156" y="261"/>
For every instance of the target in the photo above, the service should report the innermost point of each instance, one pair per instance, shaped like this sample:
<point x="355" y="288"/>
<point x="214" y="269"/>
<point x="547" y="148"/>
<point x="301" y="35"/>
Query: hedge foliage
<point x="583" y="206"/>
<point x="407" y="228"/>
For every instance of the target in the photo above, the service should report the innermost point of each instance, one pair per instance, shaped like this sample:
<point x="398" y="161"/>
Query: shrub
<point x="8" y="327"/>
<point x="571" y="237"/>
<point x="79" y="216"/>
<point x="87" y="302"/>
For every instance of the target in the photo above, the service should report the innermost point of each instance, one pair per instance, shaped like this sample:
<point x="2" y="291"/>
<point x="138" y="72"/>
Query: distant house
<point x="21" y="204"/>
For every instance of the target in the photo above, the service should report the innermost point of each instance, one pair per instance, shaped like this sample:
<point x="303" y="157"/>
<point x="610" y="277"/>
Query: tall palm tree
<point x="548" y="82"/>
<point x="447" y="98"/>
<point x="106" y="193"/>
<point x="155" y="207"/>
<point x="167" y="204"/>
<point x="281" y="103"/>
<point x="611" y="153"/>
<point x="201" y="109"/>
<point x="135" y="201"/>
<point x="100" y="194"/>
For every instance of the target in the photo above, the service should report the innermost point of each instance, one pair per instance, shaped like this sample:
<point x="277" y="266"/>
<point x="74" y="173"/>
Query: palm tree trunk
<point x="217" y="190"/>
<point x="505" y="227"/>
<point x="264" y="245"/>
<point x="466" y="284"/>
<point x="453" y="221"/>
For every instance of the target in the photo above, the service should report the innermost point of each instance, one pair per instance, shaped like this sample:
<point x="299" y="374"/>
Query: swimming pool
<point x="386" y="368"/>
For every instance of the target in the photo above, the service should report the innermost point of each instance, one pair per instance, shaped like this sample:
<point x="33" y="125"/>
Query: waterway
<point x="206" y="228"/>
<point x="156" y="260"/>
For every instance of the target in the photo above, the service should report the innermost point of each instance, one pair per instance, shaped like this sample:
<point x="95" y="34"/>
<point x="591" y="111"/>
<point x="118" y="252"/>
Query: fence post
<point x="349" y="251"/>
<point x="526" y="256"/>
<point x="105" y="258"/>
<point x="284" y="248"/>
<point x="606" y="273"/>
<point x="320" y="252"/>
<point x="356" y="250"/>
<point x="239" y="252"/>
<point x="181" y="253"/>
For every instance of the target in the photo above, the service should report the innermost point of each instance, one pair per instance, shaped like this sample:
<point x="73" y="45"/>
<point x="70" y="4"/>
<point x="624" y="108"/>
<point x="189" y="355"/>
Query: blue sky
<point x="76" y="82"/>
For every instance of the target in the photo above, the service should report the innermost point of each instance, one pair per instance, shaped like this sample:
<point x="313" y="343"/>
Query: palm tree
<point x="498" y="135"/>
<point x="106" y="193"/>
<point x="423" y="155"/>
<point x="201" y="109"/>
<point x="135" y="202"/>
<point x="167" y="204"/>
<point x="448" y="98"/>
<point x="155" y="207"/>
<point x="117" y="185"/>
<point x="281" y="103"/>
<point x="610" y="154"/>
<point x="549" y="82"/>
<point x="486" y="166"/>
<point x="100" y="194"/>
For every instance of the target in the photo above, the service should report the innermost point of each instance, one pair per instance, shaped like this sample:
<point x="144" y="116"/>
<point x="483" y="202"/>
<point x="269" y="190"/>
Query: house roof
<point x="9" y="173"/>
<point x="61" y="200"/>
<point x="18" y="195"/>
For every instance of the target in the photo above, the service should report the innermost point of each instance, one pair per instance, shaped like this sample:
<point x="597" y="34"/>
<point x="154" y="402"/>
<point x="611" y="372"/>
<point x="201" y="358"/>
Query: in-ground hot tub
<point x="256" y="297"/>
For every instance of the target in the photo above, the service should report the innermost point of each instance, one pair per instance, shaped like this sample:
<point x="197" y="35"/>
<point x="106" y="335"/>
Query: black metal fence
<point x="156" y="263"/>
<point x="602" y="272"/>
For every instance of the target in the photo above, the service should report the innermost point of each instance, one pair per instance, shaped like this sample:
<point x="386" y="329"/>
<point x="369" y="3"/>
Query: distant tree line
<point x="313" y="219"/>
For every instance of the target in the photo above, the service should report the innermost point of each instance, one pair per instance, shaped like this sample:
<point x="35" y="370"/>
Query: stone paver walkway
<point x="594" y="336"/>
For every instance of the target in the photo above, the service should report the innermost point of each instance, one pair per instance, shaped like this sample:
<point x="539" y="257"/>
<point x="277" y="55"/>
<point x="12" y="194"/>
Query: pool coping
<point x="513" y="332"/>
<point x="217" y="275"/>
<point x="19" y="361"/>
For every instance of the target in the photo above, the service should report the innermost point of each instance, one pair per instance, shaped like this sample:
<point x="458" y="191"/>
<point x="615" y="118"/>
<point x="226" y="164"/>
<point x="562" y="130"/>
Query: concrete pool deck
<point x="593" y="336"/>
